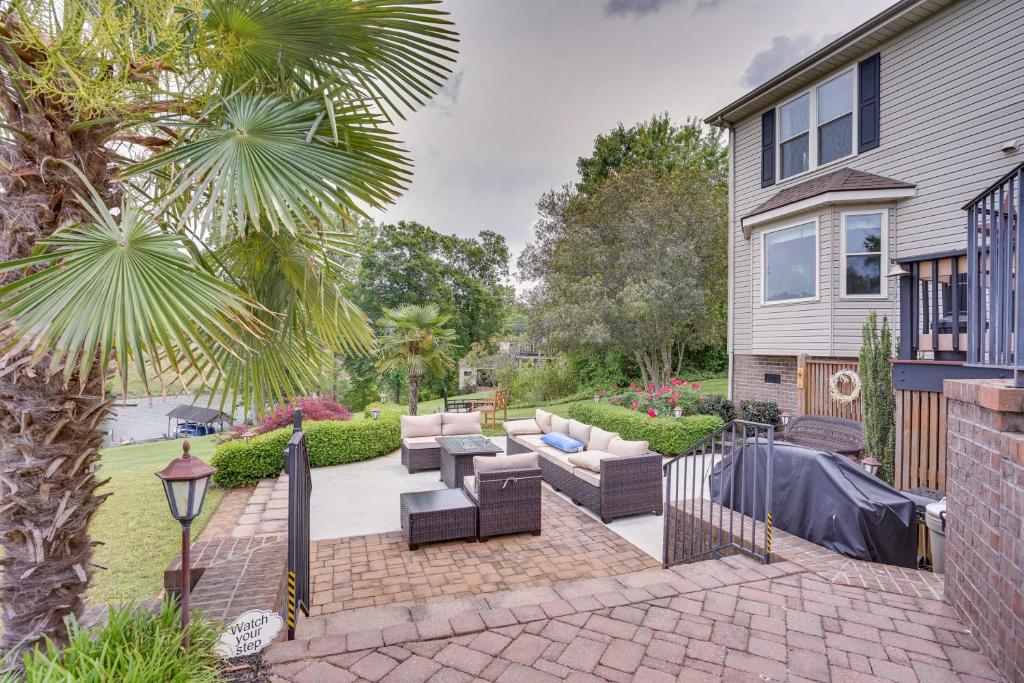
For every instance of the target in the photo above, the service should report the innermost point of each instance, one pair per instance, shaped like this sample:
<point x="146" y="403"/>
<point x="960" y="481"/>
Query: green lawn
<point x="140" y="537"/>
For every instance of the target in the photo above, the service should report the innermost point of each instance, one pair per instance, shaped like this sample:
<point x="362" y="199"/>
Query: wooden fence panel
<point x="815" y="397"/>
<point x="920" y="439"/>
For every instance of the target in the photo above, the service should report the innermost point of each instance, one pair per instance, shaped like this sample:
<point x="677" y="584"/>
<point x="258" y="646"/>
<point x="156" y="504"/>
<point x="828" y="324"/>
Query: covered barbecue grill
<point x="822" y="497"/>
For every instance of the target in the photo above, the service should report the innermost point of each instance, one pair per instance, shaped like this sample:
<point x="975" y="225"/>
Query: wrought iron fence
<point x="300" y="486"/>
<point x="718" y="496"/>
<point x="995" y="262"/>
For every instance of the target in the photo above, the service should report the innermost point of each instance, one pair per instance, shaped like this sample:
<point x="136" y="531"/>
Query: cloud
<point x="638" y="8"/>
<point x="784" y="52"/>
<point x="707" y="5"/>
<point x="448" y="96"/>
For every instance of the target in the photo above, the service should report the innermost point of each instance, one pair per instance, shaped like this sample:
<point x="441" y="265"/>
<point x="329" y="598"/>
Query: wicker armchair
<point x="826" y="433"/>
<point x="509" y="502"/>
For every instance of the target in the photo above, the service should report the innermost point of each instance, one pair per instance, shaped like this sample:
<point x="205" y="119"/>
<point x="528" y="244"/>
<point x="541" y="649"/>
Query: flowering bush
<point x="655" y="400"/>
<point x="313" y="408"/>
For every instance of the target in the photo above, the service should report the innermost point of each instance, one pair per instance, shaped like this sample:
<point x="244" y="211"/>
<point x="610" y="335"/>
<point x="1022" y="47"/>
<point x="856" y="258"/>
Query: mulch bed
<point x="248" y="669"/>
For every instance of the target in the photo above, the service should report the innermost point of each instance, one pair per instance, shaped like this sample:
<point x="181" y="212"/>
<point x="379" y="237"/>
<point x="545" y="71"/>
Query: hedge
<point x="329" y="442"/>
<point x="665" y="435"/>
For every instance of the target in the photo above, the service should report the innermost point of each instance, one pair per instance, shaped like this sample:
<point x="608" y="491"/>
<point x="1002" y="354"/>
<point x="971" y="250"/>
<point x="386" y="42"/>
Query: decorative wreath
<point x="833" y="386"/>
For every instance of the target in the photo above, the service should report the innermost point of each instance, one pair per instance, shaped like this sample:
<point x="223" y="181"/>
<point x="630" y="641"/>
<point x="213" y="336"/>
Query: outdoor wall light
<point x="870" y="465"/>
<point x="678" y="412"/>
<point x="897" y="270"/>
<point x="375" y="412"/>
<point x="186" y="480"/>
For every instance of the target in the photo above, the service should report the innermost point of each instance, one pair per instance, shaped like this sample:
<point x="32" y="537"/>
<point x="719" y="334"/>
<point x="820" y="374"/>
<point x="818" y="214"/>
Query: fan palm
<point x="178" y="179"/>
<point x="415" y="341"/>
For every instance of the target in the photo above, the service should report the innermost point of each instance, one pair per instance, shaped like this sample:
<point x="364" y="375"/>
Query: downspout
<point x="729" y="338"/>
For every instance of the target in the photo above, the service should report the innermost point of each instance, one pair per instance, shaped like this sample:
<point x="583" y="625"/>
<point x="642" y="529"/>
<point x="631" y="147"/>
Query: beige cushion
<point x="579" y="431"/>
<point x="454" y="424"/>
<point x="559" y="424"/>
<point x="543" y="420"/>
<point x="599" y="439"/>
<point x="557" y="457"/>
<point x="469" y="483"/>
<point x="590" y="460"/>
<point x="415" y="443"/>
<point x="530" y="440"/>
<point x="592" y="478"/>
<point x="515" y="427"/>
<point x="519" y="461"/>
<point x="421" y="425"/>
<point x="622" y="447"/>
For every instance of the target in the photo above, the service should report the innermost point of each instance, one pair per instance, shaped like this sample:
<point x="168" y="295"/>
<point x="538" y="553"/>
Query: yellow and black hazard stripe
<point x="768" y="536"/>
<point x="291" y="600"/>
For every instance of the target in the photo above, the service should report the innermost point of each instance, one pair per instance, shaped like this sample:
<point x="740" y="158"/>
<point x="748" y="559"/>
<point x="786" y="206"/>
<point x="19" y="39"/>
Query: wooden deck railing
<point x="933" y="307"/>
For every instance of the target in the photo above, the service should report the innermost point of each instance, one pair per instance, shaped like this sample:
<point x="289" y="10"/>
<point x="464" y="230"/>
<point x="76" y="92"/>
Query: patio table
<point x="457" y="456"/>
<point x="429" y="516"/>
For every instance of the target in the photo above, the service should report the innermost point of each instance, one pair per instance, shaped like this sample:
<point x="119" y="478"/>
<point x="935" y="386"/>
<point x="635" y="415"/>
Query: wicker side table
<point x="429" y="516"/>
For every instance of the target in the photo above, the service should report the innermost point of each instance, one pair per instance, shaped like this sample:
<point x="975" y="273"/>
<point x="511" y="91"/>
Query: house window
<point x="789" y="263"/>
<point x="794" y="140"/>
<point x="835" y="118"/>
<point x="864" y="236"/>
<point x="830" y="107"/>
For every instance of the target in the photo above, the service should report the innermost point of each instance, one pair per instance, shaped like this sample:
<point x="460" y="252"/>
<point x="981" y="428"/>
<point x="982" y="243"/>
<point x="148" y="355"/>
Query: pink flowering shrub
<point x="655" y="400"/>
<point x="313" y="408"/>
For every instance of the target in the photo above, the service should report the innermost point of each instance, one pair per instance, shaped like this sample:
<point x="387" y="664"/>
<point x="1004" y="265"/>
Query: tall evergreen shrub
<point x="877" y="399"/>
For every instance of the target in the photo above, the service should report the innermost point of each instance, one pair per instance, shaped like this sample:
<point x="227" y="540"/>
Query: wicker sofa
<point x="612" y="477"/>
<point x="419" y="445"/>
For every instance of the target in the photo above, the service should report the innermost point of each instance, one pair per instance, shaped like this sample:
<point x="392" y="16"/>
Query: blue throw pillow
<point x="562" y="442"/>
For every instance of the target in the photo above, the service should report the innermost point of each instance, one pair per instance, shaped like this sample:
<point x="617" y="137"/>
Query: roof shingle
<point x="842" y="180"/>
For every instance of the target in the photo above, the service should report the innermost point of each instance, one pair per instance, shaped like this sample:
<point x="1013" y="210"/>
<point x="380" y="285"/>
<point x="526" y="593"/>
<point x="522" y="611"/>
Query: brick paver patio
<point x="731" y="620"/>
<point x="375" y="570"/>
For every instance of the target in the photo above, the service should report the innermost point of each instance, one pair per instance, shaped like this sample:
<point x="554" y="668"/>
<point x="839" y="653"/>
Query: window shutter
<point x="768" y="148"/>
<point x="868" y="75"/>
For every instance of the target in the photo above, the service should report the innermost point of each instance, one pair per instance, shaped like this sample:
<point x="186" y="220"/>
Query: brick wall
<point x="985" y="529"/>
<point x="748" y="380"/>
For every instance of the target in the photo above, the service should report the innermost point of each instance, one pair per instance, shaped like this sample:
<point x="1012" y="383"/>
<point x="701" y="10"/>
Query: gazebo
<point x="195" y="421"/>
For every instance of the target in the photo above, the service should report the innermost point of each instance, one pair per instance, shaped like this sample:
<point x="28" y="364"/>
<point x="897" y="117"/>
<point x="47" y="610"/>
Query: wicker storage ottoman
<point x="429" y="516"/>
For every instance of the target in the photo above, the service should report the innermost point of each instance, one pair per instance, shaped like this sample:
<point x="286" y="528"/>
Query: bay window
<point x="863" y="243"/>
<point x="789" y="263"/>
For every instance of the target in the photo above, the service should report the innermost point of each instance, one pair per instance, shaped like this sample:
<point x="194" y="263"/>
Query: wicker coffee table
<point x="429" y="516"/>
<point x="457" y="456"/>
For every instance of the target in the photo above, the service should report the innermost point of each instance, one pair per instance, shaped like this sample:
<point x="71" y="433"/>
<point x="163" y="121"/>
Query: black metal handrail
<point x="300" y="486"/>
<point x="700" y="527"/>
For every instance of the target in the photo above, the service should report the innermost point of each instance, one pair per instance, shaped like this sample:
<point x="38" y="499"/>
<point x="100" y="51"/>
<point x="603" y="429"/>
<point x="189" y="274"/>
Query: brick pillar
<point x="985" y="528"/>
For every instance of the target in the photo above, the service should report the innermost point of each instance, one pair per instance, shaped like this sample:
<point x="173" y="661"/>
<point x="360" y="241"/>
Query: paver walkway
<point x="733" y="620"/>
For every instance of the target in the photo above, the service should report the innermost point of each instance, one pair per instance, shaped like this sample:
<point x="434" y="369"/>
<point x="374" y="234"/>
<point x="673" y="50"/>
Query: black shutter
<point x="768" y="148"/>
<point x="868" y="73"/>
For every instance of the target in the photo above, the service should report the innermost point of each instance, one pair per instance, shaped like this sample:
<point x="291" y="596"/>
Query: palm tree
<point x="414" y="340"/>
<point x="178" y="182"/>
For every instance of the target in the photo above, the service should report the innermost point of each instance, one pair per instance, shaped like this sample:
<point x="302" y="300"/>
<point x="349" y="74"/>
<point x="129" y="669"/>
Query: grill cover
<point x="821" y="497"/>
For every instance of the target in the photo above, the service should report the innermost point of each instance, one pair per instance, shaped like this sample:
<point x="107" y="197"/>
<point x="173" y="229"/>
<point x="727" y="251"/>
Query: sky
<point x="536" y="81"/>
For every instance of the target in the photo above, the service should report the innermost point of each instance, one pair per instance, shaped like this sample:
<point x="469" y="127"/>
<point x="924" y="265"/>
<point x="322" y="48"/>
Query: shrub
<point x="716" y="404"/>
<point x="665" y="435"/>
<point x="764" y="412"/>
<point x="531" y="384"/>
<point x="135" y="645"/>
<point x="313" y="408"/>
<point x="877" y="398"/>
<point x="329" y="442"/>
<point x="660" y="400"/>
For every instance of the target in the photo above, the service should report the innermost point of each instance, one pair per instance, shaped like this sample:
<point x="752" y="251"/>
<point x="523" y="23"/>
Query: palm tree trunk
<point x="414" y="393"/>
<point x="50" y="431"/>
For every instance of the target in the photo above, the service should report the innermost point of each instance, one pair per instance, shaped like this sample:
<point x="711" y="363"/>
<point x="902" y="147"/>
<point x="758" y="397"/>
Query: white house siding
<point x="952" y="92"/>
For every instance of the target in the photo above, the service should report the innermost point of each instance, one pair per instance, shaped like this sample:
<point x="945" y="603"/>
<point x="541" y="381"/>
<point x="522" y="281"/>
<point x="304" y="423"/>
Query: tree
<point x="638" y="260"/>
<point x="178" y="180"/>
<point x="877" y="397"/>
<point x="414" y="340"/>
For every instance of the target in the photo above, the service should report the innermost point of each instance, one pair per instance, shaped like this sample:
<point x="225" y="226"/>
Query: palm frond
<point x="396" y="52"/>
<point x="125" y="293"/>
<point x="274" y="163"/>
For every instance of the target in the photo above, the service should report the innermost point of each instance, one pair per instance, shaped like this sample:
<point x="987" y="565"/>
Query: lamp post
<point x="870" y="465"/>
<point x="375" y="412"/>
<point x="678" y="412"/>
<point x="786" y="417"/>
<point x="185" y="481"/>
<point x="597" y="398"/>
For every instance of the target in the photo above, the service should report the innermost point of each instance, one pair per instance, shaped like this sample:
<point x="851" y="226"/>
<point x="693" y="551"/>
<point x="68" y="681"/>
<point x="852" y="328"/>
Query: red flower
<point x="695" y="386"/>
<point x="632" y="385"/>
<point x="650" y="411"/>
